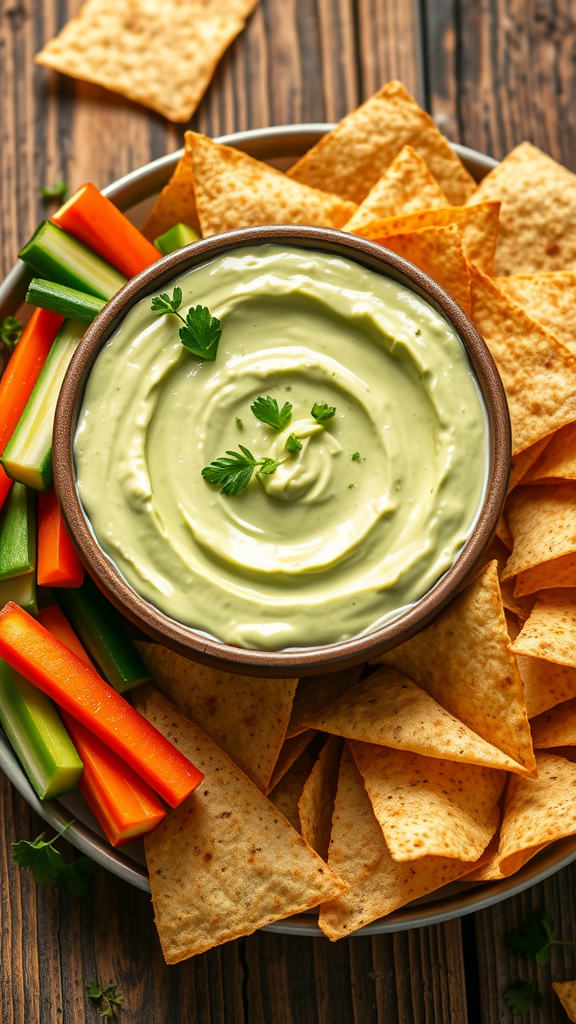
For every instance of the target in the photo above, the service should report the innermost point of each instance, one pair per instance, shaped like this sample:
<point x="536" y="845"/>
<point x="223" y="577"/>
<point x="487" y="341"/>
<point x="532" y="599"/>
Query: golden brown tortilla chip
<point x="161" y="53"/>
<point x="545" y="684"/>
<point x="350" y="159"/>
<point x="407" y="186"/>
<point x="558" y="460"/>
<point x="225" y="862"/>
<point x="487" y="868"/>
<point x="538" y="372"/>
<point x="566" y="992"/>
<point x="478" y="226"/>
<point x="317" y="800"/>
<point x="286" y="794"/>
<point x="463" y="661"/>
<point x="430" y="807"/>
<point x="358" y="852"/>
<point x="550" y="631"/>
<point x="175" y="204"/>
<point x="543" y="524"/>
<point x="521" y="606"/>
<point x="548" y="298"/>
<point x="556" y="728"/>
<point x="389" y="709"/>
<point x="523" y="462"/>
<point x="233" y="190"/>
<point x="289" y="752"/>
<point x="438" y="252"/>
<point x="503" y="531"/>
<point x="316" y="692"/>
<point x="538" y="215"/>
<point x="246" y="717"/>
<point x="537" y="811"/>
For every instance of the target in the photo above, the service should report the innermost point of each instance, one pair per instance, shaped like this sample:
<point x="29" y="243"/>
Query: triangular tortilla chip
<point x="317" y="800"/>
<point x="349" y="160"/>
<point x="566" y="992"/>
<point x="289" y="752"/>
<point x="358" y="852"/>
<point x="175" y="204"/>
<point x="246" y="717"/>
<point x="538" y="372"/>
<point x="537" y="811"/>
<point x="545" y="684"/>
<point x="543" y="524"/>
<point x="548" y="298"/>
<point x="487" y="869"/>
<point x="538" y="215"/>
<point x="463" y="660"/>
<point x="478" y="226"/>
<point x="438" y="252"/>
<point x="523" y="462"/>
<point x="556" y="728"/>
<point x="316" y="692"/>
<point x="550" y="630"/>
<point x="233" y="190"/>
<point x="160" y="54"/>
<point x="225" y="862"/>
<point x="430" y="807"/>
<point x="407" y="186"/>
<point x="389" y="709"/>
<point x="557" y="461"/>
<point x="286" y="794"/>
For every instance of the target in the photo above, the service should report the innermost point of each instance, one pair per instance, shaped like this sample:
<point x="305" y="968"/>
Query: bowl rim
<point x="184" y="639"/>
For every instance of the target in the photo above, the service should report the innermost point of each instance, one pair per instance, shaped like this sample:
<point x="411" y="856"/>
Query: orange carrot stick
<point x="94" y="220"/>
<point x="58" y="563"/>
<point x="54" y="620"/>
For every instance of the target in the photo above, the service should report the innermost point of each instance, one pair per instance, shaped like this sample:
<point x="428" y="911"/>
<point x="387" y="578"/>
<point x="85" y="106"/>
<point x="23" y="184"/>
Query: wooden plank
<point x="389" y="45"/>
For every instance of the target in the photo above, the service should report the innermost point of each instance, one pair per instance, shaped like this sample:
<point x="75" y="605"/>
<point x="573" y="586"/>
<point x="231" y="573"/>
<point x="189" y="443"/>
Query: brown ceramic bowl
<point x="185" y="640"/>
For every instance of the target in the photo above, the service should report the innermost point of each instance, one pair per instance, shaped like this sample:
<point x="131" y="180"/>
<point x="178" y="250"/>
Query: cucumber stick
<point x="38" y="736"/>
<point x="18" y="532"/>
<point x="58" y="298"/>
<point x="28" y="454"/>
<point x="176" y="238"/>
<point x="21" y="590"/>
<point x="54" y="254"/>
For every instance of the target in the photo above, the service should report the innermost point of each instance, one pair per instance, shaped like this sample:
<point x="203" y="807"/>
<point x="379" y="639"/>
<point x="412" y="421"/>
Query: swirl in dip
<point x="348" y="531"/>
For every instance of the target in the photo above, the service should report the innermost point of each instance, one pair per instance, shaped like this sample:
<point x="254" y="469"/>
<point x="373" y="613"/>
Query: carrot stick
<point x="58" y="563"/>
<point x="120" y="800"/>
<point x="54" y="620"/>
<point x="20" y="377"/>
<point x="46" y="662"/>
<point x="94" y="220"/>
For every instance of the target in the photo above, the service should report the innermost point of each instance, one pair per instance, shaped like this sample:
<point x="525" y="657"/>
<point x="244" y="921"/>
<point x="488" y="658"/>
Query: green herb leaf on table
<point x="293" y="444"/>
<point x="46" y="864"/>
<point x="522" y="996"/>
<point x="322" y="411"/>
<point x="201" y="332"/>
<point x="109" y="996"/>
<point x="59" y="190"/>
<point x="10" y="331"/>
<point x="535" y="939"/>
<point x="267" y="410"/>
<point x="233" y="474"/>
<point x="73" y="878"/>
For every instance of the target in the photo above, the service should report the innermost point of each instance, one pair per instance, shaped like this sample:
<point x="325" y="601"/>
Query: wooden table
<point x="492" y="73"/>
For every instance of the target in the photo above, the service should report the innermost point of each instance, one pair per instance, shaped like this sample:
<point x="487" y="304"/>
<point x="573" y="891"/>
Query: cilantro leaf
<point x="535" y="938"/>
<point x="10" y="331"/>
<point x="233" y="474"/>
<point x="164" y="304"/>
<point x="293" y="444"/>
<point x="59" y="190"/>
<point x="355" y="457"/>
<point x="110" y="996"/>
<point x="523" y="995"/>
<point x="266" y="410"/>
<point x="73" y="877"/>
<point x="268" y="466"/>
<point x="239" y="423"/>
<point x="40" y="857"/>
<point x="201" y="333"/>
<point x="322" y="411"/>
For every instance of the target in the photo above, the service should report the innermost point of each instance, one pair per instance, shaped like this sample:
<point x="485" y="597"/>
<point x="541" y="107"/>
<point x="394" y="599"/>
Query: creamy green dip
<point x="330" y="545"/>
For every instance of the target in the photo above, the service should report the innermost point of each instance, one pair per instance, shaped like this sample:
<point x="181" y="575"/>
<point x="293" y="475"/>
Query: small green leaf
<point x="268" y="466"/>
<point x="322" y="411"/>
<point x="293" y="444"/>
<point x="10" y="331"/>
<point x="535" y="938"/>
<point x="110" y="997"/>
<point x="201" y="333"/>
<point x="59" y="190"/>
<point x="239" y="423"/>
<point x="355" y="457"/>
<point x="266" y="410"/>
<point x="233" y="474"/>
<point x="164" y="304"/>
<point x="522" y="996"/>
<point x="73" y="878"/>
<point x="40" y="857"/>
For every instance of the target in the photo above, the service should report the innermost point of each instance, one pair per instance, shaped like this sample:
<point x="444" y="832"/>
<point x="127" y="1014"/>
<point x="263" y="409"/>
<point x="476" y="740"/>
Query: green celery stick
<point x="55" y="255"/>
<point x="21" y="590"/>
<point x="38" y="736"/>
<point x="177" y="237"/>
<point x="58" y="298"/>
<point x="18" y="532"/>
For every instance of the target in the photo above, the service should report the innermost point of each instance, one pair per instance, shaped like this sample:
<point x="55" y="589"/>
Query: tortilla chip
<point x="478" y="226"/>
<point x="463" y="661"/>
<point x="286" y="794"/>
<point x="558" y="459"/>
<point x="233" y="190"/>
<point x="538" y="372"/>
<point x="537" y="811"/>
<point x="503" y="531"/>
<point x="556" y="728"/>
<point x="548" y="298"/>
<point x="521" y="606"/>
<point x="407" y="186"/>
<point x="430" y="807"/>
<point x="538" y="215"/>
<point x="225" y="862"/>
<point x="550" y="631"/>
<point x="543" y="524"/>
<point x="289" y="752"/>
<point x="316" y="692"/>
<point x="392" y="711"/>
<point x="438" y="252"/>
<point x="161" y="54"/>
<point x="566" y="992"/>
<point x="523" y="462"/>
<point x="358" y="852"/>
<point x="545" y="684"/>
<point x="246" y="717"/>
<point x="487" y="868"/>
<point x="350" y="159"/>
<point x="175" y="204"/>
<point x="317" y="800"/>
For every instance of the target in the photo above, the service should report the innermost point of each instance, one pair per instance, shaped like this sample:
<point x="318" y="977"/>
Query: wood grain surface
<point x="496" y="71"/>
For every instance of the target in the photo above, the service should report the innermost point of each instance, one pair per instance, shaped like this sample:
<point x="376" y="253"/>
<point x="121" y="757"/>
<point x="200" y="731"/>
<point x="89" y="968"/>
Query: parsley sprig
<point x="535" y="938"/>
<point x="201" y="331"/>
<point x="322" y="411"/>
<point x="109" y="996"/>
<point x="59" y="190"/>
<point x="522" y="996"/>
<point x="46" y="864"/>
<point x="233" y="474"/>
<point x="267" y="410"/>
<point x="293" y="444"/>
<point x="10" y="331"/>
